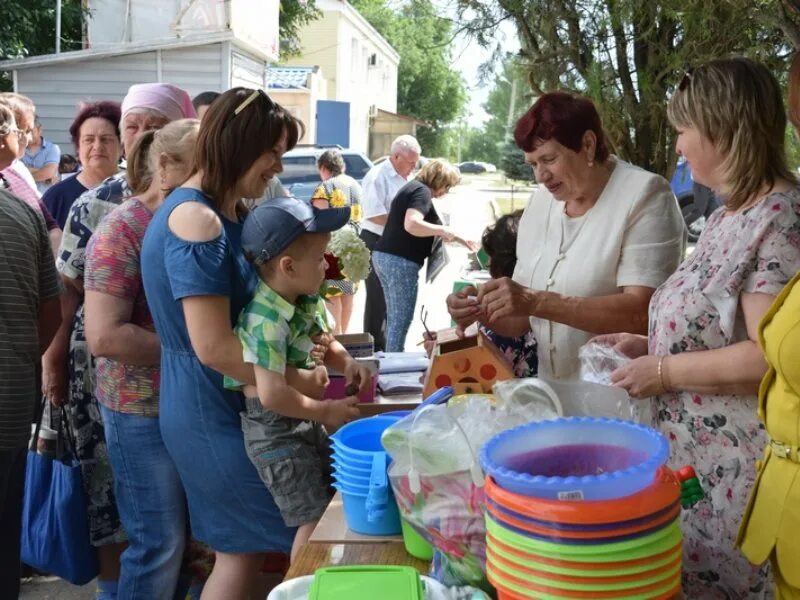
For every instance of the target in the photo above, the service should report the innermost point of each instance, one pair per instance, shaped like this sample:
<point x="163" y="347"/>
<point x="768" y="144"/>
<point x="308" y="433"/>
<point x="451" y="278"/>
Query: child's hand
<point x="358" y="375"/>
<point x="320" y="349"/>
<point x="339" y="412"/>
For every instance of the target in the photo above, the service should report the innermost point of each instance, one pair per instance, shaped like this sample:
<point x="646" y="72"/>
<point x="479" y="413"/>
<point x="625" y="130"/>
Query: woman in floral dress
<point x="703" y="363"/>
<point x="337" y="190"/>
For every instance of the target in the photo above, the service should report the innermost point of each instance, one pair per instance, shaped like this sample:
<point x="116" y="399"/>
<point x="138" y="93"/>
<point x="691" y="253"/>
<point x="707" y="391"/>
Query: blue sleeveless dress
<point x="229" y="506"/>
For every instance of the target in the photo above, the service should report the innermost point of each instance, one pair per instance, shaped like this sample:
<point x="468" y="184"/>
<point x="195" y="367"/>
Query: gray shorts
<point x="293" y="459"/>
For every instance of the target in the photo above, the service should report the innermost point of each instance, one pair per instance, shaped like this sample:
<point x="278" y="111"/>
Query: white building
<point x="198" y="45"/>
<point x="359" y="65"/>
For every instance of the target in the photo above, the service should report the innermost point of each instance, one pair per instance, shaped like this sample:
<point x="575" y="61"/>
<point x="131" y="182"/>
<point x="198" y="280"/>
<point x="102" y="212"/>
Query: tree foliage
<point x="29" y="27"/>
<point x="293" y="15"/>
<point x="629" y="55"/>
<point x="428" y="88"/>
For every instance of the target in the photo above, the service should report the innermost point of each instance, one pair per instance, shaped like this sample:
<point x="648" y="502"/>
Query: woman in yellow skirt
<point x="771" y="523"/>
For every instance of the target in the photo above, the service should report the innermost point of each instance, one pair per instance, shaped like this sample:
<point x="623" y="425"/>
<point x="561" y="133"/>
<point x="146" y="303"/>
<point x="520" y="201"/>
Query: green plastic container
<point x="359" y="582"/>
<point x="415" y="544"/>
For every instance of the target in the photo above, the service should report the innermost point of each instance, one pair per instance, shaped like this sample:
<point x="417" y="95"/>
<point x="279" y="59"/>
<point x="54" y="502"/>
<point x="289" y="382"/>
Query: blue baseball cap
<point x="274" y="224"/>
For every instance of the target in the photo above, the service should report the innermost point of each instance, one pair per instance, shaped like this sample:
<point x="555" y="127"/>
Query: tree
<point x="512" y="162"/>
<point x="629" y="55"/>
<point x="428" y="88"/>
<point x="31" y="31"/>
<point x="503" y="112"/>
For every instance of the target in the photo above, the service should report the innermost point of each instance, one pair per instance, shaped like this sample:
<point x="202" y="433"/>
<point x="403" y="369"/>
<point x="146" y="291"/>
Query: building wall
<point x="319" y="41"/>
<point x="303" y="104"/>
<point x="58" y="89"/>
<point x="341" y="43"/>
<point x="247" y="71"/>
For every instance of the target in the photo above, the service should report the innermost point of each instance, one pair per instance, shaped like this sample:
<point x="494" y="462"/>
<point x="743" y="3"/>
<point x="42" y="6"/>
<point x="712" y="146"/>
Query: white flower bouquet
<point x="347" y="256"/>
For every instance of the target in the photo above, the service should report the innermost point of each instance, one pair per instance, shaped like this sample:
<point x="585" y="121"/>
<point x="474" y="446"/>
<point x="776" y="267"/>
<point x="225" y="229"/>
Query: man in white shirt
<point x="379" y="188"/>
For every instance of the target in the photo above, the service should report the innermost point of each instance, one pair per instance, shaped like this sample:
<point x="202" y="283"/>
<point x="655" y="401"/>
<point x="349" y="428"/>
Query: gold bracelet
<point x="661" y="373"/>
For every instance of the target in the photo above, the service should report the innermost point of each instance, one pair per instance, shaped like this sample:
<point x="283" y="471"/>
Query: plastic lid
<point x="359" y="582"/>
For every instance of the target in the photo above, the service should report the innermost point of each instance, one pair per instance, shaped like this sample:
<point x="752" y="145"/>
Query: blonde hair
<point x="438" y="173"/>
<point x="177" y="140"/>
<point x="736" y="103"/>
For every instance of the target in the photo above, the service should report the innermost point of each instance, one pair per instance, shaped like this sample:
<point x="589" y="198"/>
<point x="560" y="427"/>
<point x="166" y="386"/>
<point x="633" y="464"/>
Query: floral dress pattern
<point x="83" y="414"/>
<point x="696" y="309"/>
<point x="341" y="191"/>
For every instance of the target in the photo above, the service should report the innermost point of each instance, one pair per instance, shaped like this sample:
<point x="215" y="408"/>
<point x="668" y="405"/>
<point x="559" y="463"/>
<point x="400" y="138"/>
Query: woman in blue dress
<point x="197" y="281"/>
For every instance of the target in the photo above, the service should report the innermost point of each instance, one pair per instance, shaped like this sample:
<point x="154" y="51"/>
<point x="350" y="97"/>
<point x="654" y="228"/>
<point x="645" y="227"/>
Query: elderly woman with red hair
<point x="598" y="237"/>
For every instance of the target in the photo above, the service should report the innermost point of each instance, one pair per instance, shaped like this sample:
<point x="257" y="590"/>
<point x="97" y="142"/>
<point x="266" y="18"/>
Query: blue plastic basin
<point x="362" y="437"/>
<point x="577" y="458"/>
<point x="356" y="516"/>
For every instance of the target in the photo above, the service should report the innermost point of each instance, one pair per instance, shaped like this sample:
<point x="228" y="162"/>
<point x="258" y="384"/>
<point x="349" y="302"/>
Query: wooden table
<point x="313" y="556"/>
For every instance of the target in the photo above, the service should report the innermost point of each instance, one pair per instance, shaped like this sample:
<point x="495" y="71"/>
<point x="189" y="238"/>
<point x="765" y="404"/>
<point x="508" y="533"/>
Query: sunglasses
<point x="248" y="101"/>
<point x="687" y="79"/>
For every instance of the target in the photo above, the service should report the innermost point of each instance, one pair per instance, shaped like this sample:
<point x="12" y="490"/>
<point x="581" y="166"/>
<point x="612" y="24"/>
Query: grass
<point x="506" y="204"/>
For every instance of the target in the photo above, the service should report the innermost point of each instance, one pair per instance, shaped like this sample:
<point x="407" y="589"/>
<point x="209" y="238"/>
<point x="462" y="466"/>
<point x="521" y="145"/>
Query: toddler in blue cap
<point x="286" y="239"/>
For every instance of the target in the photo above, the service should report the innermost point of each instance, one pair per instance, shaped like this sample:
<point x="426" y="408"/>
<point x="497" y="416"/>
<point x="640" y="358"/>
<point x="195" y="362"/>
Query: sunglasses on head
<point x="249" y="100"/>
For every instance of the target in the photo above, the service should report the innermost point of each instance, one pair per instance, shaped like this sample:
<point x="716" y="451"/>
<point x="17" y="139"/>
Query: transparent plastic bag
<point x="438" y="482"/>
<point x="598" y="361"/>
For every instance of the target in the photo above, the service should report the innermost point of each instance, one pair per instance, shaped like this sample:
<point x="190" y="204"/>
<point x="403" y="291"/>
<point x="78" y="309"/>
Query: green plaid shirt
<point x="276" y="333"/>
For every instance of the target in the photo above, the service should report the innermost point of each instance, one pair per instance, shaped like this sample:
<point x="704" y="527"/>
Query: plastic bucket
<point x="358" y="469"/>
<point x="361" y="438"/>
<point x="415" y="544"/>
<point x="578" y="458"/>
<point x="357" y="516"/>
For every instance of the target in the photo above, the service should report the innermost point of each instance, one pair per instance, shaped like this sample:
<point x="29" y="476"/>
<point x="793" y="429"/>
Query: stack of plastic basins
<point x="582" y="508"/>
<point x="359" y="470"/>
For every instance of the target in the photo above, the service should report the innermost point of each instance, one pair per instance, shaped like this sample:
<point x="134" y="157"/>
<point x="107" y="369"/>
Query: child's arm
<point x="275" y="394"/>
<point x="311" y="382"/>
<point x="338" y="358"/>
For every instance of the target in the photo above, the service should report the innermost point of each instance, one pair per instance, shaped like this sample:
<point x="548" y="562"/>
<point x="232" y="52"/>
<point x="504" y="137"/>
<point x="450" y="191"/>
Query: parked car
<point x="300" y="176"/>
<point x="471" y="167"/>
<point x="696" y="201"/>
<point x="490" y="168"/>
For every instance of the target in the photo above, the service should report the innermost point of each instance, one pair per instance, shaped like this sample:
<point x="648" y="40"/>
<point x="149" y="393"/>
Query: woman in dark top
<point x="408" y="239"/>
<point x="95" y="133"/>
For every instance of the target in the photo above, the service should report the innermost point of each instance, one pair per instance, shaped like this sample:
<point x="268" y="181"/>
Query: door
<point x="333" y="123"/>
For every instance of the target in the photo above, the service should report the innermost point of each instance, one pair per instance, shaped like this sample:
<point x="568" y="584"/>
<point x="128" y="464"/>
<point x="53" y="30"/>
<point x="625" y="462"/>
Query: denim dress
<point x="229" y="506"/>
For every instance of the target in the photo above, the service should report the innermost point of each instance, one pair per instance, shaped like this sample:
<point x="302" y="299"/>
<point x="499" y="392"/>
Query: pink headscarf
<point x="169" y="100"/>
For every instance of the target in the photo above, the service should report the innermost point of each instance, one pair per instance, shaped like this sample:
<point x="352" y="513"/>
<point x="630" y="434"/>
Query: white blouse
<point x="633" y="236"/>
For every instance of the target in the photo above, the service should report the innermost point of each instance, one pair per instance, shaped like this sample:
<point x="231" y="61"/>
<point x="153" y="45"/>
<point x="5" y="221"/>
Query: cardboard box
<point x="359" y="345"/>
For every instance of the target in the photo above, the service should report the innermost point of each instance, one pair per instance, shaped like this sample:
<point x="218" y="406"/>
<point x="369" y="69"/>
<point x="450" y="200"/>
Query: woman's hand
<point x="504" y="297"/>
<point x="639" y="377"/>
<point x="468" y="244"/>
<point x="55" y="379"/>
<point x="464" y="307"/>
<point x="629" y="344"/>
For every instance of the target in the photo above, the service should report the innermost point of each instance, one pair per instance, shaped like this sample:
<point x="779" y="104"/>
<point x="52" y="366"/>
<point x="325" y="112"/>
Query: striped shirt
<point x="27" y="277"/>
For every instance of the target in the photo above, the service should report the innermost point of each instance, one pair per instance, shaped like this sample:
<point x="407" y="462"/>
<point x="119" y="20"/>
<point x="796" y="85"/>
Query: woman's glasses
<point x="248" y="101"/>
